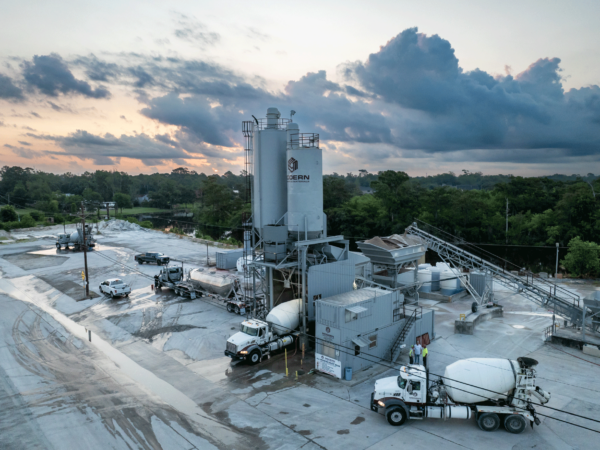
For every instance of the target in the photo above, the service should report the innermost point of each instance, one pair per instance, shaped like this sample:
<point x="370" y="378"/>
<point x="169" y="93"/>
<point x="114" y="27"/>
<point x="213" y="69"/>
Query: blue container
<point x="348" y="373"/>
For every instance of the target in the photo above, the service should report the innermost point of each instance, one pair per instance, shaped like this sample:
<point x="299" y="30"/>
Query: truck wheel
<point x="474" y="307"/>
<point x="237" y="309"/>
<point x="112" y="295"/>
<point x="229" y="307"/>
<point x="515" y="423"/>
<point x="489" y="421"/>
<point x="126" y="295"/>
<point x="58" y="246"/>
<point x="255" y="357"/>
<point x="396" y="416"/>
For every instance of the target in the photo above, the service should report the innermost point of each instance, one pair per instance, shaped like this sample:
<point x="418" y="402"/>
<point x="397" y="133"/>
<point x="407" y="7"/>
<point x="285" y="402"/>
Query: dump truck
<point x="76" y="239"/>
<point x="495" y="391"/>
<point x="259" y="338"/>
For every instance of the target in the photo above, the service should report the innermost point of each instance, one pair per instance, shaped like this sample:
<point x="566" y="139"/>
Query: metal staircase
<point x="564" y="303"/>
<point x="408" y="326"/>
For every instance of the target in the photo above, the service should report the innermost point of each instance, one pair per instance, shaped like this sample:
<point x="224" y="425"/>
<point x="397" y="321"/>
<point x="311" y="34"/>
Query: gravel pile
<point x="120" y="225"/>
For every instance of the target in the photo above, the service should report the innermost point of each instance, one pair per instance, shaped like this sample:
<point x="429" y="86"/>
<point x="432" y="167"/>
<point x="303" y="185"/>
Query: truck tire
<point x="515" y="423"/>
<point x="229" y="307"/>
<point x="237" y="309"/>
<point x="126" y="295"/>
<point x="254" y="357"/>
<point x="489" y="421"/>
<point x="474" y="307"/>
<point x="396" y="416"/>
<point x="58" y="245"/>
<point x="112" y="295"/>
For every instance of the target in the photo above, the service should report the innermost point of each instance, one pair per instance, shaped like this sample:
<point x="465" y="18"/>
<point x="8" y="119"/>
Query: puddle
<point x="343" y="432"/>
<point x="358" y="420"/>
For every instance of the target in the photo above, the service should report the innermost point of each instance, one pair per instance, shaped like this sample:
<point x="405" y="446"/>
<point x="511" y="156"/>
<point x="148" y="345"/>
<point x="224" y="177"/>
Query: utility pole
<point x="507" y="220"/>
<point x="87" y="278"/>
<point x="556" y="271"/>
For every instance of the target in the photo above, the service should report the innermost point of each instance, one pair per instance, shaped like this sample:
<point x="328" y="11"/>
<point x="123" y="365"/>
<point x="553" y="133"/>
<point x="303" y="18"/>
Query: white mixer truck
<point x="76" y="238"/>
<point x="258" y="338"/>
<point x="495" y="391"/>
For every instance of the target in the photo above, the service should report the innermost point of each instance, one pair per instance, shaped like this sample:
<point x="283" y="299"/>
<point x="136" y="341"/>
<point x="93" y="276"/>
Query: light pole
<point x="556" y="271"/>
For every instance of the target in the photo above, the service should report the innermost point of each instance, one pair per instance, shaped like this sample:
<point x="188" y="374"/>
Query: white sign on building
<point x="329" y="365"/>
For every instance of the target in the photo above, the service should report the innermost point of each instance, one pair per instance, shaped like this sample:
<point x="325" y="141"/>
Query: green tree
<point x="8" y="214"/>
<point x="122" y="201"/>
<point x="583" y="258"/>
<point x="27" y="221"/>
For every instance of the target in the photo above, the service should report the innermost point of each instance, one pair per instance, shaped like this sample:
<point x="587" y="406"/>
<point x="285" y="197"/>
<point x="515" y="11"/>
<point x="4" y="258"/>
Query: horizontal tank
<point x="285" y="317"/>
<point x="213" y="282"/>
<point x="495" y="377"/>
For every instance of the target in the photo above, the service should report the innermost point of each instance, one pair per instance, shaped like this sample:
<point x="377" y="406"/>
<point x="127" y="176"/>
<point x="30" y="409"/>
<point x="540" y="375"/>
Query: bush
<point x="146" y="224"/>
<point x="583" y="258"/>
<point x="38" y="216"/>
<point x="27" y="221"/>
<point x="59" y="218"/>
<point x="132" y="219"/>
<point x="8" y="214"/>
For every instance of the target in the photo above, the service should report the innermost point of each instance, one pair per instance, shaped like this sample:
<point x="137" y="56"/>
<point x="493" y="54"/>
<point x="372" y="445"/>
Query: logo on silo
<point x="292" y="165"/>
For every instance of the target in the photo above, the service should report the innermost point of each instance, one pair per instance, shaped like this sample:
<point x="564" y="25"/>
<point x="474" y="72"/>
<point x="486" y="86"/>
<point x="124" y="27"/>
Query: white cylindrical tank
<point x="448" y="282"/>
<point x="269" y="200"/>
<point x="435" y="278"/>
<point x="285" y="317"/>
<point x="424" y="266"/>
<point x="304" y="187"/>
<point x="424" y="276"/>
<point x="494" y="374"/>
<point x="74" y="238"/>
<point x="213" y="281"/>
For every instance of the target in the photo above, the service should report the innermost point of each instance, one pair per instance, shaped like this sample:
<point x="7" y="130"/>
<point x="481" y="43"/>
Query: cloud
<point x="51" y="76"/>
<point x="8" y="90"/>
<point x="24" y="143"/>
<point x="24" y="152"/>
<point x="193" y="31"/>
<point x="108" y="149"/>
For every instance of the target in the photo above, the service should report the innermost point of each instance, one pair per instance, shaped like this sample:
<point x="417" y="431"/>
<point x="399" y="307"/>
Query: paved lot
<point x="154" y="375"/>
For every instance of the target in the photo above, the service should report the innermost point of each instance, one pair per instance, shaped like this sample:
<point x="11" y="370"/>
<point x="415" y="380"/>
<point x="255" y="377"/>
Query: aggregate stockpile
<point x="496" y="391"/>
<point x="258" y="338"/>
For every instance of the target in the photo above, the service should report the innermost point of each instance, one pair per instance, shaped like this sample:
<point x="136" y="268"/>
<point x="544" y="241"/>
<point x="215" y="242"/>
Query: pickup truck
<point x="160" y="259"/>
<point x="115" y="288"/>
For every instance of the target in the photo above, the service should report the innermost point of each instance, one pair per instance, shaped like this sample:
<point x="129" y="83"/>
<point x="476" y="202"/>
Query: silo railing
<point x="280" y="125"/>
<point x="303" y="140"/>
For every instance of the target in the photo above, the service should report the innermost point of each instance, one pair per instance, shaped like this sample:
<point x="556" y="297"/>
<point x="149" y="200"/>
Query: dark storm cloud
<point x="455" y="110"/>
<point x="24" y="152"/>
<point x="8" y="90"/>
<point x="51" y="76"/>
<point x="98" y="70"/>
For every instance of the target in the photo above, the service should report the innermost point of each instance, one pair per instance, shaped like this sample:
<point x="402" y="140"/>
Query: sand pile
<point x="115" y="225"/>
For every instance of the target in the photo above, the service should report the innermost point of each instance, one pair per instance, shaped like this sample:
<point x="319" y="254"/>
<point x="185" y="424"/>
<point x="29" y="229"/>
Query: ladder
<point x="408" y="326"/>
<point x="545" y="293"/>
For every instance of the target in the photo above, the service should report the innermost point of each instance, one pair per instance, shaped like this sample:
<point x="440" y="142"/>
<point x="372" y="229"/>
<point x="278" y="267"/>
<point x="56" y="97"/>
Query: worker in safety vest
<point x="411" y="353"/>
<point x="425" y="352"/>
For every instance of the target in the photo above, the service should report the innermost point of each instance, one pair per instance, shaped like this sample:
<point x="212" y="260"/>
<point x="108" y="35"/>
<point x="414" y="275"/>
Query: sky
<point x="425" y="87"/>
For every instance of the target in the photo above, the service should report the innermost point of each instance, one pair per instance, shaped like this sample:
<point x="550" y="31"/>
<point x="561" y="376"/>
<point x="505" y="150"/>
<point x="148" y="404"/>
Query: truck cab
<point x="248" y="342"/>
<point x="410" y="386"/>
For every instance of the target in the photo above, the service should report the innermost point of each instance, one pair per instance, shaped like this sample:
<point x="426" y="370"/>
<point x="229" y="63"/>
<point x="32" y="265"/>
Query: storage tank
<point x="304" y="184"/>
<point x="285" y="317"/>
<point x="435" y="278"/>
<point x="494" y="374"/>
<point x="269" y="199"/>
<point x="212" y="281"/>
<point x="424" y="276"/>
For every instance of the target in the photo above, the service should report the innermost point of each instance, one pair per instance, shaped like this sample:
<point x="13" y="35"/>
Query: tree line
<point x="541" y="211"/>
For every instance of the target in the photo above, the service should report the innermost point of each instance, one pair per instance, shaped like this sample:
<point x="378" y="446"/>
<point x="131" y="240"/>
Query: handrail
<point x="411" y="319"/>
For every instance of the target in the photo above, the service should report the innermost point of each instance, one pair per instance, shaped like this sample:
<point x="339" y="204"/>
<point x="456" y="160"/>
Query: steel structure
<point x="564" y="303"/>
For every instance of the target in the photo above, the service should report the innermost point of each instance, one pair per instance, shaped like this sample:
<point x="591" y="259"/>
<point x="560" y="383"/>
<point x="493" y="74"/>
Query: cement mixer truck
<point x="76" y="238"/>
<point x="257" y="338"/>
<point x="494" y="391"/>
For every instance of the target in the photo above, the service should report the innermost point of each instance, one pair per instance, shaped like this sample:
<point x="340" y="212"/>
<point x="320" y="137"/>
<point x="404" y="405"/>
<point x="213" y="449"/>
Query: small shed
<point x="357" y="329"/>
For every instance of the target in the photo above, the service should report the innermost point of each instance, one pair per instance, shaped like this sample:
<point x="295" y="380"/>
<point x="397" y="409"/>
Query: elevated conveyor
<point x="543" y="292"/>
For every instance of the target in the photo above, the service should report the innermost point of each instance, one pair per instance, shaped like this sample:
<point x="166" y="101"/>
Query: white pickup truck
<point x="115" y="288"/>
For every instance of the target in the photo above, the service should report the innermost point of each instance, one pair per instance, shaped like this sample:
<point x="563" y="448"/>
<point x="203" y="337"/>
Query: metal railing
<point x="416" y="313"/>
<point x="262" y="124"/>
<point x="303" y="140"/>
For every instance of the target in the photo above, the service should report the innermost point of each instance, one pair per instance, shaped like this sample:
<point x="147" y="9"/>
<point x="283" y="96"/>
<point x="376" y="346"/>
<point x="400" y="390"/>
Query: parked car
<point x="160" y="259"/>
<point x="115" y="288"/>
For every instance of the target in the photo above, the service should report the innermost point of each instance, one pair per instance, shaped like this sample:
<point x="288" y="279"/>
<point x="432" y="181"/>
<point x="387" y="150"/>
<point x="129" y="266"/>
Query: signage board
<point x="329" y="365"/>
